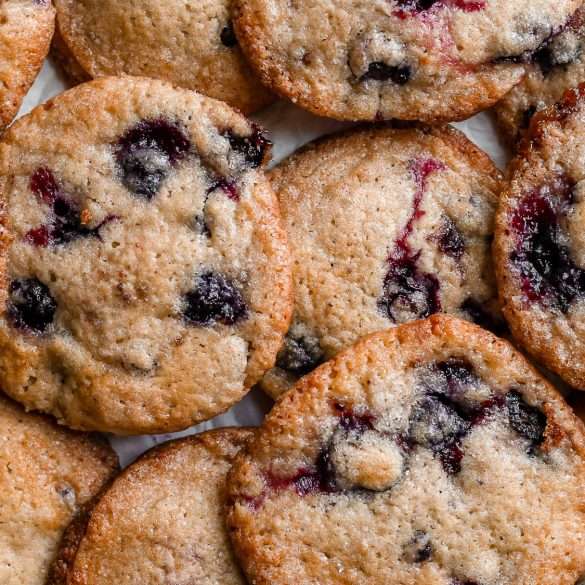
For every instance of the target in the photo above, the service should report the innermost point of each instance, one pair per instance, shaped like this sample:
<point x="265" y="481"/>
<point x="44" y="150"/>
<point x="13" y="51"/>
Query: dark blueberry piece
<point x="228" y="186"/>
<point x="30" y="305"/>
<point x="419" y="549"/>
<point x="435" y="422"/>
<point x="423" y="5"/>
<point x="253" y="147"/>
<point x="545" y="59"/>
<point x="480" y="316"/>
<point x="350" y="420"/>
<point x="380" y="71"/>
<point x="450" y="240"/>
<point x="201" y="227"/>
<point x="215" y="299"/>
<point x="526" y="420"/>
<point x="146" y="154"/>
<point x="549" y="275"/>
<point x="465" y="582"/>
<point x="307" y="481"/>
<point x="527" y="116"/>
<point x="228" y="36"/>
<point x="406" y="288"/>
<point x="299" y="355"/>
<point x="451" y="456"/>
<point x="453" y="377"/>
<point x="67" y="224"/>
<point x="44" y="185"/>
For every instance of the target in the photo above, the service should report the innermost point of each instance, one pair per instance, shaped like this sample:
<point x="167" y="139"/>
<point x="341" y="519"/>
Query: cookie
<point x="539" y="246"/>
<point x="47" y="474"/>
<point x="558" y="66"/>
<point x="386" y="226"/>
<point x="26" y="28"/>
<point x="428" y="60"/>
<point x="161" y="521"/>
<point x="145" y="271"/>
<point x="190" y="43"/>
<point x="431" y="453"/>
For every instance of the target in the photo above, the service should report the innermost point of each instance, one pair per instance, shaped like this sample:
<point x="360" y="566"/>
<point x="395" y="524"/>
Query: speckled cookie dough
<point x="540" y="247"/>
<point x="557" y="66"/>
<point x="429" y="60"/>
<point x="161" y="522"/>
<point x="386" y="226"/>
<point x="47" y="474"/>
<point x="428" y="454"/>
<point x="190" y="43"/>
<point x="145" y="270"/>
<point x="26" y="28"/>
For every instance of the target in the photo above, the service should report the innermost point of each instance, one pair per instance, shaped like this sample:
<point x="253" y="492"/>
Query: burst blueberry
<point x="147" y="153"/>
<point x="215" y="299"/>
<point x="31" y="305"/>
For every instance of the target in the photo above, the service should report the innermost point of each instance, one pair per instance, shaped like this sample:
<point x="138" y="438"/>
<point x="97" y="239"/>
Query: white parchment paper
<point x="290" y="128"/>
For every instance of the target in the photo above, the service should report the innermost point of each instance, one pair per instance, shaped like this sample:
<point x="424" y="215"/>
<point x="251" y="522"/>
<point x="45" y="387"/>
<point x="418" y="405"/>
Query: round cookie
<point x="539" y="246"/>
<point x="429" y="60"/>
<point x="190" y="43"/>
<point x="431" y="453"/>
<point x="161" y="521"/>
<point x="386" y="226"/>
<point x="26" y="28"/>
<point x="146" y="274"/>
<point x="558" y="66"/>
<point x="47" y="474"/>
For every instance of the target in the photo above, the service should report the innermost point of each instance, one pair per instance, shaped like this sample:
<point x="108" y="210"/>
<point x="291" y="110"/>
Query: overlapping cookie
<point x="189" y="43"/>
<point x="385" y="226"/>
<point x="428" y="453"/>
<point x="160" y="522"/>
<point x="539" y="245"/>
<point x="427" y="60"/>
<point x="146" y="275"/>
<point x="47" y="475"/>
<point x="557" y="66"/>
<point x="26" y="29"/>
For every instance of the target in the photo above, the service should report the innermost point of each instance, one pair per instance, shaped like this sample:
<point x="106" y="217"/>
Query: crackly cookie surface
<point x="161" y="521"/>
<point x="189" y="43"/>
<point x="26" y="28"/>
<point x="409" y="59"/>
<point x="47" y="474"/>
<point x="428" y="454"/>
<point x="385" y="226"/>
<point x="557" y="66"/>
<point x="137" y="218"/>
<point x="539" y="246"/>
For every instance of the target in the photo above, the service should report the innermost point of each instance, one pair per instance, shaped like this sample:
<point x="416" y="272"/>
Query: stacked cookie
<point x="154" y="272"/>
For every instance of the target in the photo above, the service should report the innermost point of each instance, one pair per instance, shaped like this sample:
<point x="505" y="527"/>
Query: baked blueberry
<point x="380" y="71"/>
<point x="228" y="36"/>
<point x="31" y="305"/>
<point x="147" y="153"/>
<point x="215" y="299"/>
<point x="299" y="354"/>
<point x="254" y="148"/>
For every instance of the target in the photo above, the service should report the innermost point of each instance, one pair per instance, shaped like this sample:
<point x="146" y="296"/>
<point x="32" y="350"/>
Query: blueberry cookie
<point x="161" y="522"/>
<point x="428" y="454"/>
<point x="386" y="226"/>
<point x="26" y="28"/>
<point x="190" y="43"/>
<point x="539" y="245"/>
<point x="424" y="60"/>
<point x="47" y="474"/>
<point x="145" y="271"/>
<point x="556" y="67"/>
